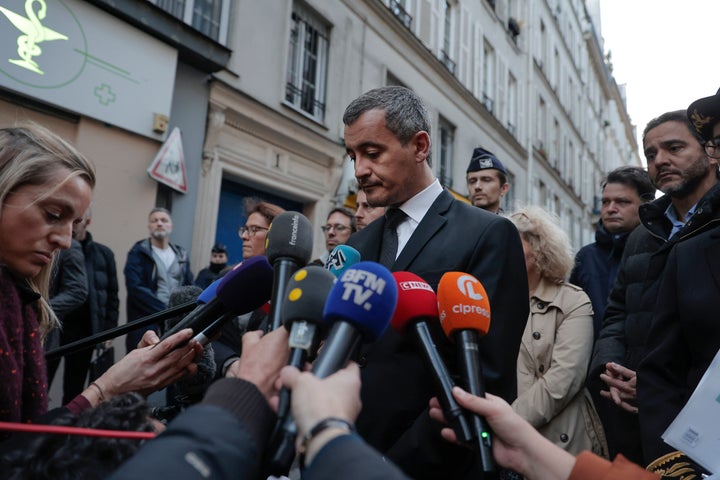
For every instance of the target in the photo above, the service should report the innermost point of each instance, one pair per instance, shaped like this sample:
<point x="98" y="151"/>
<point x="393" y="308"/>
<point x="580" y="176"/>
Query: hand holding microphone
<point x="242" y="290"/>
<point x="302" y="316"/>
<point x="417" y="308"/>
<point x="465" y="317"/>
<point x="359" y="306"/>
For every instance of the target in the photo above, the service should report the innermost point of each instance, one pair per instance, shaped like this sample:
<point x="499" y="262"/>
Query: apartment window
<point x="307" y="63"/>
<point x="540" y="125"/>
<point x="488" y="78"/>
<point x="207" y="16"/>
<point x="447" y="39"/>
<point x="445" y="157"/>
<point x="512" y="94"/>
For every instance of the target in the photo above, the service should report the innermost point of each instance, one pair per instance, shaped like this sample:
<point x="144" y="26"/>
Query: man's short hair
<point x="160" y="209"/>
<point x="679" y="116"/>
<point x="634" y="177"/>
<point x="348" y="213"/>
<point x="219" y="248"/>
<point x="405" y="112"/>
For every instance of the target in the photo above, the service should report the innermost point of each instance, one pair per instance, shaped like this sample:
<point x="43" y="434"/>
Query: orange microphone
<point x="464" y="311"/>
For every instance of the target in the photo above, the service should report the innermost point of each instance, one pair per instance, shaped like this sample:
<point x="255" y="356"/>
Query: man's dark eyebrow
<point x="364" y="146"/>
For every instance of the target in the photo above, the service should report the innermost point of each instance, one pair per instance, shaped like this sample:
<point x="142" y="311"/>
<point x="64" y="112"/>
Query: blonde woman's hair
<point x="30" y="155"/>
<point x="549" y="243"/>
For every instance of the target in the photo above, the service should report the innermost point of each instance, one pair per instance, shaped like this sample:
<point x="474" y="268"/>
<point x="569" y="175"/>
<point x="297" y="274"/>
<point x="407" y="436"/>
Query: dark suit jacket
<point x="683" y="339"/>
<point x="453" y="236"/>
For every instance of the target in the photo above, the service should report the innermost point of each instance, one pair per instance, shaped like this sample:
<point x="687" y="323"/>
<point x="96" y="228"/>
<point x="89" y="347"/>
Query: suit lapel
<point x="433" y="221"/>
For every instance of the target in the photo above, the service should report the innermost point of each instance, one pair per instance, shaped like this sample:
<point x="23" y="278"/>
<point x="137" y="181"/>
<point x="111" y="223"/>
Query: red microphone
<point x="465" y="317"/>
<point x="416" y="308"/>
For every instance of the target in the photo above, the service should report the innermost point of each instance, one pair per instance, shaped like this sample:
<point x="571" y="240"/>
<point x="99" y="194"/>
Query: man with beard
<point x="679" y="167"/>
<point x="685" y="336"/>
<point x="154" y="267"/>
<point x="486" y="179"/>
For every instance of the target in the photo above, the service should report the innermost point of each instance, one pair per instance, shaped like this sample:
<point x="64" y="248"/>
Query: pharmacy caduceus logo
<point x="34" y="33"/>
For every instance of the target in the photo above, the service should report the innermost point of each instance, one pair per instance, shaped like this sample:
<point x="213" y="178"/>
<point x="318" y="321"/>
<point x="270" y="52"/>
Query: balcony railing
<point x="399" y="11"/>
<point x="447" y="61"/>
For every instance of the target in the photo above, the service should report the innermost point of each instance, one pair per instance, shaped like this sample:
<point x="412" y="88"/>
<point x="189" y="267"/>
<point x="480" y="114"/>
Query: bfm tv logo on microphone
<point x="360" y="285"/>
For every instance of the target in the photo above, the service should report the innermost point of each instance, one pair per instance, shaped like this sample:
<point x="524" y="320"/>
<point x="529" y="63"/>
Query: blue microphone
<point x="360" y="306"/>
<point x="243" y="289"/>
<point x="341" y="258"/>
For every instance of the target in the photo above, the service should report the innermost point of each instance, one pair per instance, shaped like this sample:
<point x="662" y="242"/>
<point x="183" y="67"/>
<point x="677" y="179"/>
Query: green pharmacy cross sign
<point x="77" y="57"/>
<point x="34" y="33"/>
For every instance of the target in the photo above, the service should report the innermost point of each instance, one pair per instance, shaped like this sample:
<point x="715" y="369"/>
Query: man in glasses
<point x="680" y="168"/>
<point x="685" y="335"/>
<point x="486" y="180"/>
<point x="340" y="224"/>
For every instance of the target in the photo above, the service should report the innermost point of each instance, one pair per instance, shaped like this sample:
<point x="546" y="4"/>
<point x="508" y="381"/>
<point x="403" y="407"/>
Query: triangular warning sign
<point x="168" y="167"/>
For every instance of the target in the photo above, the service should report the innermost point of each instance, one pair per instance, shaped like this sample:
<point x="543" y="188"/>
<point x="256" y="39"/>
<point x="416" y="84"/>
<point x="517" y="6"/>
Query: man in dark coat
<point x="154" y="267"/>
<point x="678" y="166"/>
<point x="685" y="336"/>
<point x="68" y="291"/>
<point x="99" y="312"/>
<point x="387" y="137"/>
<point x="218" y="261"/>
<point x="596" y="264"/>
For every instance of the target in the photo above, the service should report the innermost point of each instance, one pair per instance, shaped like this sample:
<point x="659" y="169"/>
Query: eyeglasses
<point x="337" y="227"/>
<point x="712" y="147"/>
<point x="251" y="230"/>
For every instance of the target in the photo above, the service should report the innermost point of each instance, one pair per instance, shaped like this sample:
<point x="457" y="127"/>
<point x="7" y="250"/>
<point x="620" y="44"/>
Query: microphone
<point x="360" y="305"/>
<point x="465" y="317"/>
<point x="302" y="314"/>
<point x="243" y="289"/>
<point x="288" y="247"/>
<point x="416" y="310"/>
<point x="341" y="258"/>
<point x="188" y="391"/>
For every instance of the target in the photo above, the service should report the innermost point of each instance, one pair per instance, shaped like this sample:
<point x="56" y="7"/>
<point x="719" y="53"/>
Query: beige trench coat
<point x="552" y="366"/>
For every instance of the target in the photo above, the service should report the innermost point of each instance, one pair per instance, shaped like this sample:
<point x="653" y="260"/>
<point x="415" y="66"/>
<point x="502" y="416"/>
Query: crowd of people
<point x="588" y="358"/>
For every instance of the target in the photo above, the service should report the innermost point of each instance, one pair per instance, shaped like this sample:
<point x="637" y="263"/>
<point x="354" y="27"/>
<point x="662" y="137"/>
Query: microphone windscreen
<point x="247" y="286"/>
<point x="180" y="295"/>
<point x="290" y="235"/>
<point x="463" y="304"/>
<point x="206" y="364"/>
<point x="209" y="293"/>
<point x="307" y="292"/>
<point x="365" y="295"/>
<point x="341" y="258"/>
<point x="416" y="299"/>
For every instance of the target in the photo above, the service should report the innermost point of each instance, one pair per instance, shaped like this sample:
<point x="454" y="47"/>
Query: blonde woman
<point x="45" y="187"/>
<point x="557" y="342"/>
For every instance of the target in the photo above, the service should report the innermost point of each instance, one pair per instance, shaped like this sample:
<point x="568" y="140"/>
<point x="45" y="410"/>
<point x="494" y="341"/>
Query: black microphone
<point x="188" y="391"/>
<point x="359" y="306"/>
<point x="240" y="291"/>
<point x="302" y="314"/>
<point x="465" y="317"/>
<point x="416" y="307"/>
<point x="288" y="248"/>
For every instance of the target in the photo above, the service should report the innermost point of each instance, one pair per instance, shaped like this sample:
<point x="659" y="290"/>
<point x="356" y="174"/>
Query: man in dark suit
<point x="387" y="136"/>
<point x="684" y="336"/>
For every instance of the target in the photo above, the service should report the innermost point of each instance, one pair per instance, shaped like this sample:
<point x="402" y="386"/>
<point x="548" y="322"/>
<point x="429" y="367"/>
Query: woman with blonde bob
<point x="557" y="342"/>
<point x="45" y="187"/>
